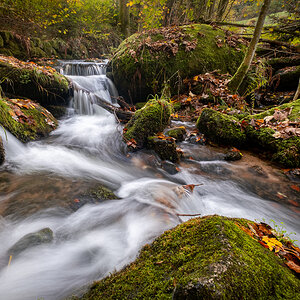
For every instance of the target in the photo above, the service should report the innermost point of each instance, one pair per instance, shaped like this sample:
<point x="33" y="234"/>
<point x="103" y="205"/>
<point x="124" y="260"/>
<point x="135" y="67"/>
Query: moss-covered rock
<point x="284" y="151"/>
<point x="221" y="128"/>
<point x="287" y="79"/>
<point x="224" y="129"/>
<point x="101" y="192"/>
<point x="25" y="119"/>
<point x="204" y="258"/>
<point x="2" y="152"/>
<point x="38" y="83"/>
<point x="145" y="62"/>
<point x="177" y="133"/>
<point x="147" y="121"/>
<point x="165" y="148"/>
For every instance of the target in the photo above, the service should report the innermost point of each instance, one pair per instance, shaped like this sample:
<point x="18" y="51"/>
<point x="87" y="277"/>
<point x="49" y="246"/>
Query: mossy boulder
<point x="165" y="148"/>
<point x="226" y="130"/>
<point x="26" y="119"/>
<point x="147" y="121"/>
<point x="29" y="80"/>
<point x="178" y="133"/>
<point x="287" y="79"/>
<point x="204" y="258"/>
<point x="220" y="128"/>
<point x="284" y="151"/>
<point x="146" y="62"/>
<point x="2" y="152"/>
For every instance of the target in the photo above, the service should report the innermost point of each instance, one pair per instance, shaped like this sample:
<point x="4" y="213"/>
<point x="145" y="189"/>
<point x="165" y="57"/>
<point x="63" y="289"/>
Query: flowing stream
<point x="43" y="183"/>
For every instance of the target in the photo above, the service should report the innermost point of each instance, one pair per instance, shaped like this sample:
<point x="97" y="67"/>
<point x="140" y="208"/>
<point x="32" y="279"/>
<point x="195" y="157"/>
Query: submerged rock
<point x="177" y="133"/>
<point x="26" y="119"/>
<point x="204" y="258"/>
<point x="2" y="152"/>
<point x="147" y="62"/>
<point x="28" y="80"/>
<point x="147" y="121"/>
<point x="165" y="148"/>
<point x="221" y="128"/>
<point x="30" y="240"/>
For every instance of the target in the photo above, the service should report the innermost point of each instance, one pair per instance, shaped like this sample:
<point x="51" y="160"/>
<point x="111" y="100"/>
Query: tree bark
<point x="124" y="18"/>
<point x="239" y="76"/>
<point x="221" y="9"/>
<point x="296" y="96"/>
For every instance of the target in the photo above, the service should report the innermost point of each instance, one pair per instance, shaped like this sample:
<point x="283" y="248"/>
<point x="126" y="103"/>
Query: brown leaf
<point x="293" y="266"/>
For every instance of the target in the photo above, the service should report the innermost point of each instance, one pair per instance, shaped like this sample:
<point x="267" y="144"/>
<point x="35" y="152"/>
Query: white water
<point x="100" y="238"/>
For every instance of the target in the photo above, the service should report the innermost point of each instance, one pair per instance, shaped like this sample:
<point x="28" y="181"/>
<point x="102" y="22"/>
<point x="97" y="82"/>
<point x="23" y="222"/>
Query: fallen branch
<point x="188" y="215"/>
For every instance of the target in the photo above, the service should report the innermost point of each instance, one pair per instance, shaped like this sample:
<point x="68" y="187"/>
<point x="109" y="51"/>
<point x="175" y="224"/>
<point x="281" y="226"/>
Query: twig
<point x="188" y="215"/>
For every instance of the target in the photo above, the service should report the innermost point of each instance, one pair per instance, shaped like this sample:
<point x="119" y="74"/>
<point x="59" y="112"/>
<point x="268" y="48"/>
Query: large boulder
<point x="146" y="62"/>
<point x="204" y="258"/>
<point x="147" y="121"/>
<point x="25" y="119"/>
<point x="29" y="80"/>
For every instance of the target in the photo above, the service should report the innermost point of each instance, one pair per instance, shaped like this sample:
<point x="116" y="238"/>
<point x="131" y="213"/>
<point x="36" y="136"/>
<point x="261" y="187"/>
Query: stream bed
<point x="42" y="183"/>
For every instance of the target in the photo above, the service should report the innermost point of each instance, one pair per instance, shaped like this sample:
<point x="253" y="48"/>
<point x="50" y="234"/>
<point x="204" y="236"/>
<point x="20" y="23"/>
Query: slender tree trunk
<point x="211" y="10"/>
<point x="124" y="17"/>
<point x="297" y="92"/>
<point x="245" y="65"/>
<point x="221" y="9"/>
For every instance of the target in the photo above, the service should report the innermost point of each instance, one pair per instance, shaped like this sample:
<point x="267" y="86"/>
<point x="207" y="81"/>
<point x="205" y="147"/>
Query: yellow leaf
<point x="272" y="243"/>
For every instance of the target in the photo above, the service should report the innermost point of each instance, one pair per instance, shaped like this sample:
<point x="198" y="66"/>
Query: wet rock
<point x="169" y="167"/>
<point x="233" y="155"/>
<point x="26" y="119"/>
<point x="220" y="128"/>
<point x="31" y="240"/>
<point x="29" y="81"/>
<point x="166" y="149"/>
<point x="144" y="60"/>
<point x="147" y="121"/>
<point x="57" y="111"/>
<point x="203" y="258"/>
<point x="178" y="133"/>
<point x="2" y="152"/>
<point x="258" y="171"/>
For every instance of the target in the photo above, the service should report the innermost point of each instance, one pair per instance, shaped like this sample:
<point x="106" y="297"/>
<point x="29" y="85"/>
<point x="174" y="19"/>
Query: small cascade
<point x="82" y="68"/>
<point x="90" y="84"/>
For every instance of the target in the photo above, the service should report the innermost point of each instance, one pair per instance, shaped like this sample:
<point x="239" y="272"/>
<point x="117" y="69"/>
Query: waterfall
<point x="90" y="83"/>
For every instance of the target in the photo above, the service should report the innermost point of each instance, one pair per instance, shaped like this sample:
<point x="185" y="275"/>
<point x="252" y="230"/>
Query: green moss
<point x="101" y="192"/>
<point x="139" y="74"/>
<point x="38" y="127"/>
<point x="204" y="258"/>
<point x="177" y="133"/>
<point x="165" y="148"/>
<point x="284" y="151"/>
<point x="2" y="152"/>
<point x="34" y="84"/>
<point x="147" y="121"/>
<point x="221" y="128"/>
<point x="140" y="105"/>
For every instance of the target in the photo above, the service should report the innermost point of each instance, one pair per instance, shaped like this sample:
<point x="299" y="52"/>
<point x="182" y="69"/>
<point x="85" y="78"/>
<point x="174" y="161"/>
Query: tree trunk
<point x="297" y="92"/>
<point x="211" y="10"/>
<point x="124" y="18"/>
<point x="239" y="76"/>
<point x="221" y="9"/>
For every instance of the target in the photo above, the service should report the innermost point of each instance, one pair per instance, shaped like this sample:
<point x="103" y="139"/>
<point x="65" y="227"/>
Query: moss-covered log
<point x="204" y="258"/>
<point x="31" y="81"/>
<point x="145" y="62"/>
<point x="147" y="121"/>
<point x="221" y="128"/>
<point x="25" y="119"/>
